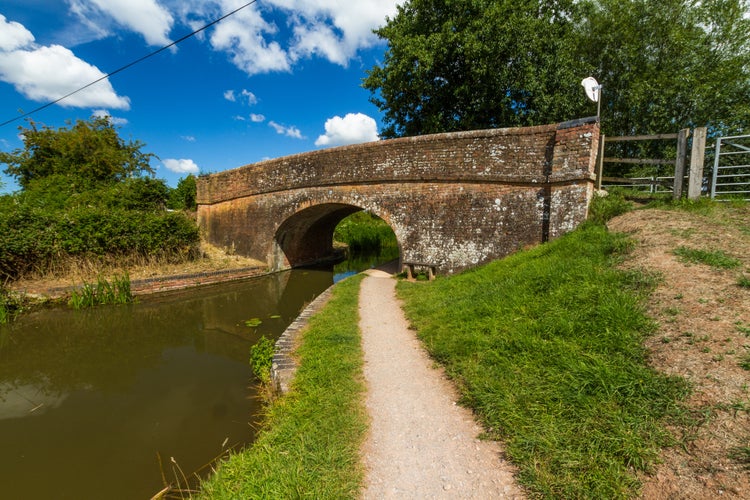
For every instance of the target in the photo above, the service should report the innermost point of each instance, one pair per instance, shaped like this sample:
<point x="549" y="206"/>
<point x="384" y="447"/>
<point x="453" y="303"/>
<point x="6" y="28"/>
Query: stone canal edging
<point x="284" y="364"/>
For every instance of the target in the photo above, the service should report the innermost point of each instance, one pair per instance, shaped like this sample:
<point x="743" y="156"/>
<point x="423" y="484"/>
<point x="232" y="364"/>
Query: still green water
<point x="91" y="401"/>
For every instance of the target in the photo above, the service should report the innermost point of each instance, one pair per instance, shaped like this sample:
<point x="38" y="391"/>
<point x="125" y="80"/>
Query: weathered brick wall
<point x="454" y="200"/>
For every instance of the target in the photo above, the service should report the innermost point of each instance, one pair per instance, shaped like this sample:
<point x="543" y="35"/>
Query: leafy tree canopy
<point x="88" y="152"/>
<point x="466" y="64"/>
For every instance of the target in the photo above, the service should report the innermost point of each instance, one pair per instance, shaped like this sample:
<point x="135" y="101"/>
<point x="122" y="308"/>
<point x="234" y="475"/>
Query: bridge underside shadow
<point x="307" y="236"/>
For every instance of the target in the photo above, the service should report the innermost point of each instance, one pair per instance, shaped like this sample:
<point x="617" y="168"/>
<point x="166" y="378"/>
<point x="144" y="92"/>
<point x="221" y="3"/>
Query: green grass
<point x="546" y="347"/>
<point x="713" y="258"/>
<point x="115" y="291"/>
<point x="743" y="281"/>
<point x="364" y="232"/>
<point x="310" y="441"/>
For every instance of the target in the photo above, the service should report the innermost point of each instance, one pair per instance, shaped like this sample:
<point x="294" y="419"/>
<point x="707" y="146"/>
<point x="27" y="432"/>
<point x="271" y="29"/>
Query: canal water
<point x="112" y="401"/>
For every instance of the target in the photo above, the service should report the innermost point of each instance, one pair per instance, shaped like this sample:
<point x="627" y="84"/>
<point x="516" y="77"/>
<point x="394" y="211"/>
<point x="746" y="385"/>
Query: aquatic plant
<point x="116" y="291"/>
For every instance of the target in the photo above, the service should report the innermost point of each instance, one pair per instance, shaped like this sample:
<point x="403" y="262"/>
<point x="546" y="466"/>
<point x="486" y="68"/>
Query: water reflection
<point x="89" y="398"/>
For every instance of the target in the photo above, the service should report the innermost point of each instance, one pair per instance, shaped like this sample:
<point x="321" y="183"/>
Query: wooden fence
<point x="694" y="178"/>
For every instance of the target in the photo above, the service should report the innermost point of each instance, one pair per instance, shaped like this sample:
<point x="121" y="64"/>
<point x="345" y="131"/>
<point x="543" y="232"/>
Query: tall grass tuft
<point x="546" y="347"/>
<point x="116" y="291"/>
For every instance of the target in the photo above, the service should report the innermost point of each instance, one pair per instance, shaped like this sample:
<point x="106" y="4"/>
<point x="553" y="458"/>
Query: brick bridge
<point x="454" y="200"/>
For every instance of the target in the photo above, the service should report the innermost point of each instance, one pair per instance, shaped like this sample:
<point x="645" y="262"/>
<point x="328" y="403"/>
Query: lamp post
<point x="594" y="92"/>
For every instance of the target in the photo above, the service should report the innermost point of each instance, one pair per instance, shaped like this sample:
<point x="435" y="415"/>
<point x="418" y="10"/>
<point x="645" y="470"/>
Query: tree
<point x="670" y="64"/>
<point x="465" y="64"/>
<point x="183" y="196"/>
<point x="91" y="151"/>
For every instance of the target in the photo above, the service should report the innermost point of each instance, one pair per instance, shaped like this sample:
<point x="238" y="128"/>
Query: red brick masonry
<point x="454" y="200"/>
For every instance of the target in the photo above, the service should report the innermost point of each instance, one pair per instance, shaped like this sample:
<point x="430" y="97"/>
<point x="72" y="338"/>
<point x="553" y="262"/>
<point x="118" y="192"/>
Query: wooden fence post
<point x="679" y="164"/>
<point x="697" y="155"/>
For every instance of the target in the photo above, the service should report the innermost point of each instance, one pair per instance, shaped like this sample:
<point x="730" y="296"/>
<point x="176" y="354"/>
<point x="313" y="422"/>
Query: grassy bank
<point x="546" y="346"/>
<point x="310" y="440"/>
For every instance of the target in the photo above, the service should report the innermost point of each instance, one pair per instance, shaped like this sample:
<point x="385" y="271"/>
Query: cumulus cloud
<point x="145" y="17"/>
<point x="256" y="118"/>
<point x="182" y="166"/>
<point x="13" y="35"/>
<point x="330" y="29"/>
<point x="291" y="131"/>
<point x="353" y="128"/>
<point x="229" y="96"/>
<point x="243" y="37"/>
<point x="46" y="73"/>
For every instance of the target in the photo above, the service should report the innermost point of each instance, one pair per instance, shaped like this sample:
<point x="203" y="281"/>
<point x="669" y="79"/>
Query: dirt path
<point x="421" y="444"/>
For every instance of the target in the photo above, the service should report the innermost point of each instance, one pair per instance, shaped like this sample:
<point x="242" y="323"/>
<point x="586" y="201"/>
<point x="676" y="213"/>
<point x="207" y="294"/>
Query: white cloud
<point x="13" y="35"/>
<point x="242" y="36"/>
<point x="46" y="73"/>
<point x="188" y="138"/>
<point x="101" y="113"/>
<point x="256" y="118"/>
<point x="229" y="96"/>
<point x="291" y="131"/>
<point x="353" y="128"/>
<point x="182" y="166"/>
<point x="330" y="29"/>
<point x="145" y="17"/>
<point x="251" y="98"/>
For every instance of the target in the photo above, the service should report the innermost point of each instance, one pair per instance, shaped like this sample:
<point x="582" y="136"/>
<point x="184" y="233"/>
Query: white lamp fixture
<point x="593" y="91"/>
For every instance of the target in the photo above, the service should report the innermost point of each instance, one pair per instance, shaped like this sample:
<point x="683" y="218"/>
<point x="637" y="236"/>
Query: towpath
<point x="421" y="444"/>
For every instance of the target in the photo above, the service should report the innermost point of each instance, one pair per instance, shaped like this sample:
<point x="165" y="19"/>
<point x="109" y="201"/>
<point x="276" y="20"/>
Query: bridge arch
<point x="306" y="236"/>
<point x="453" y="200"/>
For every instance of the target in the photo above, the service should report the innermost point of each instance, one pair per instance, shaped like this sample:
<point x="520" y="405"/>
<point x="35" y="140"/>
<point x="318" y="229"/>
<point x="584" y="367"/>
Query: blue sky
<point x="279" y="77"/>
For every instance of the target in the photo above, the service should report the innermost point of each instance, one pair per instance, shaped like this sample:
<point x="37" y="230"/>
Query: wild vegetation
<point x="88" y="196"/>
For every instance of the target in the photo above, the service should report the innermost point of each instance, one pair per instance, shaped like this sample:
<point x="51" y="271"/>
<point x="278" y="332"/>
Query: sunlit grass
<point x="546" y="347"/>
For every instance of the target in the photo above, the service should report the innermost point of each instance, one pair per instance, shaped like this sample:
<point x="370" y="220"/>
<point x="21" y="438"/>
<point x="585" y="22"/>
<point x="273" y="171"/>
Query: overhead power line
<point x="133" y="63"/>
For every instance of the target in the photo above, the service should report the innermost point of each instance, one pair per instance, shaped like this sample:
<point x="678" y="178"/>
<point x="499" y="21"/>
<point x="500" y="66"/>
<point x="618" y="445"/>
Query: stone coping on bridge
<point x="502" y="156"/>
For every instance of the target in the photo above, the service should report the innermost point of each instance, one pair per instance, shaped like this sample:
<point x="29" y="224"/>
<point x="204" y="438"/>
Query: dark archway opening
<point x="307" y="237"/>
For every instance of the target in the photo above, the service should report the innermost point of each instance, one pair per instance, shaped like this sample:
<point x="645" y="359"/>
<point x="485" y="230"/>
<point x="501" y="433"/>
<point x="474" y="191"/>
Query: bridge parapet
<point x="531" y="155"/>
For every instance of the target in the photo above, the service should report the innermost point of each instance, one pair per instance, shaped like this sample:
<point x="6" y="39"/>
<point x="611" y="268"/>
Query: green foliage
<point x="183" y="196"/>
<point x="743" y="281"/>
<point x="310" y="442"/>
<point x="715" y="258"/>
<point x="32" y="238"/>
<point x="471" y="64"/>
<point x="261" y="358"/>
<point x="89" y="152"/>
<point x="364" y="232"/>
<point x="604" y="208"/>
<point x="10" y="305"/>
<point x="546" y="346"/>
<point x="468" y="64"/>
<point x="83" y="196"/>
<point x="116" y="291"/>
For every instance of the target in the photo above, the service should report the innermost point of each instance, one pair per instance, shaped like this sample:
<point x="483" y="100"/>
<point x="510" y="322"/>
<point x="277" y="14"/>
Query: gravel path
<point x="421" y="444"/>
